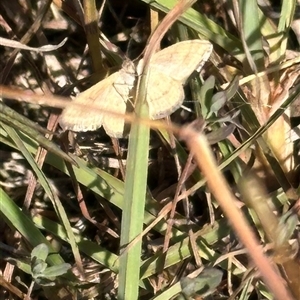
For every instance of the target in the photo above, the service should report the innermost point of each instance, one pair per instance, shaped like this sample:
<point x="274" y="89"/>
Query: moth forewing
<point x="180" y="60"/>
<point x="110" y="94"/>
<point x="88" y="115"/>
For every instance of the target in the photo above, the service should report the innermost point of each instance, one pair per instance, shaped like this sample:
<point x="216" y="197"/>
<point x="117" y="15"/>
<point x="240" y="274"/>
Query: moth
<point x="168" y="71"/>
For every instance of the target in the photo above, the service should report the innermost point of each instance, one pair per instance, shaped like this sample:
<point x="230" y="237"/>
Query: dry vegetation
<point x="63" y="195"/>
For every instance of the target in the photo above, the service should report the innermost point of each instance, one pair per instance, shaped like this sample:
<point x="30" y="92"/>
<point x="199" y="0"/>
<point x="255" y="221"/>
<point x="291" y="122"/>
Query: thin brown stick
<point x="199" y="146"/>
<point x="62" y="102"/>
<point x="164" y="26"/>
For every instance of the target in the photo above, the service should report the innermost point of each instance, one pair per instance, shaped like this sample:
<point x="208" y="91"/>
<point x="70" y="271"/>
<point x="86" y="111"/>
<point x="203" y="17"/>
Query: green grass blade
<point x="45" y="184"/>
<point x="204" y="26"/>
<point x="134" y="200"/>
<point x="286" y="18"/>
<point x="252" y="34"/>
<point x="19" y="122"/>
<point x="12" y="215"/>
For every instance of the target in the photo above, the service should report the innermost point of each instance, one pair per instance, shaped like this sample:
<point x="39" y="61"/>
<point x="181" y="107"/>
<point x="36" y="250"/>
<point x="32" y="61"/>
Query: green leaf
<point x="217" y="102"/>
<point x="55" y="271"/>
<point x="286" y="227"/>
<point x="206" y="94"/>
<point x="38" y="266"/>
<point x="41" y="251"/>
<point x="204" y="284"/>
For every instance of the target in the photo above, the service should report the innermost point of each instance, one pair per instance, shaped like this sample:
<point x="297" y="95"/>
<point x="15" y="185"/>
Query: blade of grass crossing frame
<point x="251" y="32"/>
<point x="203" y="25"/>
<point x="133" y="212"/>
<point x="45" y="184"/>
<point x="286" y="17"/>
<point x="137" y="168"/>
<point x="12" y="214"/>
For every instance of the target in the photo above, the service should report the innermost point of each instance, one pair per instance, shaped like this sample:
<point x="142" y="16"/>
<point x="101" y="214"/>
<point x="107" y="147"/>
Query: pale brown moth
<point x="169" y="70"/>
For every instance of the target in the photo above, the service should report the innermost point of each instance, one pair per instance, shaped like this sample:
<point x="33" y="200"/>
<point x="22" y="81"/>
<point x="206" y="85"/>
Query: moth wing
<point x="89" y="115"/>
<point x="113" y="124"/>
<point x="180" y="60"/>
<point x="164" y="94"/>
<point x="169" y="70"/>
